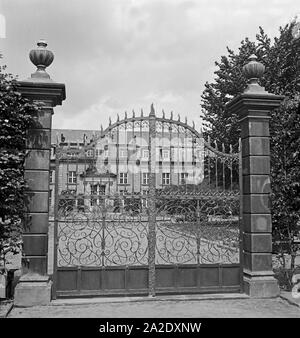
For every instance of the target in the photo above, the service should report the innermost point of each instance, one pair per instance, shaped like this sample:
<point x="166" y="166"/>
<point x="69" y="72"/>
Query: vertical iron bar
<point x="170" y="149"/>
<point x="133" y="159"/>
<point x="103" y="241"/>
<point x="193" y="162"/>
<point x="68" y="168"/>
<point x="117" y="159"/>
<point x="152" y="200"/>
<point x="127" y="159"/>
<point x="198" y="231"/>
<point x="178" y="156"/>
<point x="141" y="156"/>
<point x="77" y="156"/>
<point x="84" y="173"/>
<point x="110" y="155"/>
<point x="56" y="239"/>
<point x="161" y="153"/>
<point x="182" y="157"/>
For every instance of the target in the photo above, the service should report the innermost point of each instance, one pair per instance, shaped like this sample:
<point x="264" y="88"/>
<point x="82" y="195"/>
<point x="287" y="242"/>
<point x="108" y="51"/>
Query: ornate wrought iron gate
<point x="147" y="206"/>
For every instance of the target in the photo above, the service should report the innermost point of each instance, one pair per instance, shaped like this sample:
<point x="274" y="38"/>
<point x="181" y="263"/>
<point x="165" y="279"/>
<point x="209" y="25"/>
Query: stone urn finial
<point x="42" y="58"/>
<point x="253" y="71"/>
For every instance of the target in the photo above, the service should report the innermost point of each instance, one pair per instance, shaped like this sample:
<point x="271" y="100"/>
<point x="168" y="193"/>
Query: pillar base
<point x="261" y="286"/>
<point x="32" y="290"/>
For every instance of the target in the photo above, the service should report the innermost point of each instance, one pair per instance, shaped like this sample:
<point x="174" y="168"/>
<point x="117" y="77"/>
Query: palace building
<point x="91" y="162"/>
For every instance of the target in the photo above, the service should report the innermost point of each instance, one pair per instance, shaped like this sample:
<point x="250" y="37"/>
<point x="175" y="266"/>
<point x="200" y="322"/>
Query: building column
<point x="253" y="107"/>
<point x="34" y="287"/>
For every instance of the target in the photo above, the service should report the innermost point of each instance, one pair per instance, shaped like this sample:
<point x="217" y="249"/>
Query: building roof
<point x="78" y="135"/>
<point x="72" y="135"/>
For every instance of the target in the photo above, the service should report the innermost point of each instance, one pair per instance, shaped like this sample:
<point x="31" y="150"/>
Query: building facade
<point x="89" y="162"/>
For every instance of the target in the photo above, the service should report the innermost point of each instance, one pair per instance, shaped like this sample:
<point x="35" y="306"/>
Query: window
<point x="145" y="153"/>
<point x="166" y="178"/>
<point x="183" y="177"/>
<point x="123" y="178"/>
<point x="96" y="192"/>
<point x="165" y="154"/>
<point x="146" y="178"/>
<point x="97" y="189"/>
<point x="72" y="177"/>
<point x="90" y="153"/>
<point x="101" y="190"/>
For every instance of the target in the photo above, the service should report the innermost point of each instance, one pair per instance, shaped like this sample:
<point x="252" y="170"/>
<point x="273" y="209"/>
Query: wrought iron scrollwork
<point x="198" y="230"/>
<point x="98" y="236"/>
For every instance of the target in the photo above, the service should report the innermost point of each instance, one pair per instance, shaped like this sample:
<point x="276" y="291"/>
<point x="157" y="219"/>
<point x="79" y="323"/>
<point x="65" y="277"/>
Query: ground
<point x="162" y="307"/>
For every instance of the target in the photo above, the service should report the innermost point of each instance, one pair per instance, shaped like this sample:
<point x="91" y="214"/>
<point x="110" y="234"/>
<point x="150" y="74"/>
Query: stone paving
<point x="177" y="308"/>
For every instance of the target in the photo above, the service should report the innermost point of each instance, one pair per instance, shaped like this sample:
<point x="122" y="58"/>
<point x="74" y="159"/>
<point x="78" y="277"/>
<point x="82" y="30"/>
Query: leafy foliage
<point x="282" y="76"/>
<point x="16" y="116"/>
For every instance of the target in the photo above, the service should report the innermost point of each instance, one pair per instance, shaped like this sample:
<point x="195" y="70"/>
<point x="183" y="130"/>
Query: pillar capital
<point x="254" y="104"/>
<point x="48" y="92"/>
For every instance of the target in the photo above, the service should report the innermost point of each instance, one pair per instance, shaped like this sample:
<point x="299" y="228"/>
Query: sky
<point x="122" y="55"/>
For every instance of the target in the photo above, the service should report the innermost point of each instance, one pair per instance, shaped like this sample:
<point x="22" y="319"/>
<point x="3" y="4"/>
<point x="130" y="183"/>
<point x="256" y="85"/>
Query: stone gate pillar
<point x="253" y="107"/>
<point x="34" y="286"/>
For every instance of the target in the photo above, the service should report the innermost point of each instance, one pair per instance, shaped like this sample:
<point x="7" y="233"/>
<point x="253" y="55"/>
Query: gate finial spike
<point x="125" y="115"/>
<point x="152" y="111"/>
<point x="142" y="113"/>
<point x="215" y="144"/>
<point x="163" y="112"/>
<point x="110" y="121"/>
<point x="133" y="113"/>
<point x="171" y="118"/>
<point x="193" y="124"/>
<point x="185" y="120"/>
<point x="118" y="117"/>
<point x="223" y="147"/>
<point x="230" y="148"/>
<point x="178" y="118"/>
<point x="101" y="130"/>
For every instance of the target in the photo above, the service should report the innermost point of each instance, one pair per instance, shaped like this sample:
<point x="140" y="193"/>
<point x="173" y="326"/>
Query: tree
<point x="282" y="76"/>
<point x="229" y="82"/>
<point x="16" y="116"/>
